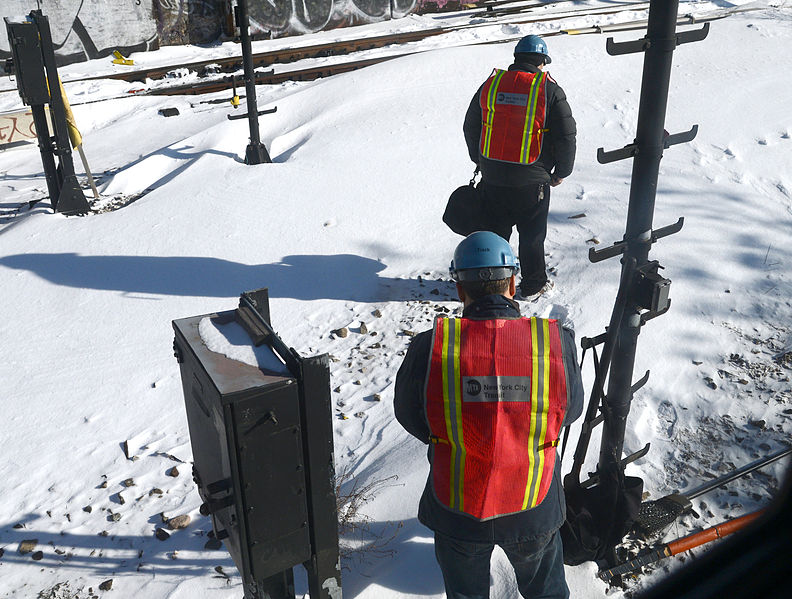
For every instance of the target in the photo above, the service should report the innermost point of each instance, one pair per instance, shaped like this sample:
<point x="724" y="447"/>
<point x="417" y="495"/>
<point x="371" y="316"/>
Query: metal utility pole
<point x="256" y="152"/>
<point x="646" y="293"/>
<point x="601" y="509"/>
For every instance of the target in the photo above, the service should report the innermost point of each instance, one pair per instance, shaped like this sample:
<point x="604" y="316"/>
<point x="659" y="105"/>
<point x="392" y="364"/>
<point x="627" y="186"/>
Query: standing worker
<point x="489" y="393"/>
<point x="520" y="133"/>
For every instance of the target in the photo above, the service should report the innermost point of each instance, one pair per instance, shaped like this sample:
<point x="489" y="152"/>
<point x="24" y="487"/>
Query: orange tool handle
<point x="716" y="532"/>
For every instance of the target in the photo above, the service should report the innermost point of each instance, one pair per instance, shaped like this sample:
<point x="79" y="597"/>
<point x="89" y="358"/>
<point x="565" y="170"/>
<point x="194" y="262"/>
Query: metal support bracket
<point x="679" y="138"/>
<point x="589" y="426"/>
<point x="618" y="248"/>
<point x="215" y="505"/>
<point x="220" y="486"/>
<point x="631" y="150"/>
<point x="593" y="478"/>
<point x="640" y="383"/>
<point x="616" y="48"/>
<point x="589" y="342"/>
<point x="628" y="151"/>
<point x="233" y="117"/>
<point x="694" y="35"/>
<point x="647" y="316"/>
<point x="642" y="45"/>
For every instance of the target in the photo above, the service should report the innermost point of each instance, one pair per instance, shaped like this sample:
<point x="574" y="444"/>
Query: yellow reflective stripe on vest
<point x="540" y="403"/>
<point x="530" y="115"/>
<point x="452" y="407"/>
<point x="493" y="93"/>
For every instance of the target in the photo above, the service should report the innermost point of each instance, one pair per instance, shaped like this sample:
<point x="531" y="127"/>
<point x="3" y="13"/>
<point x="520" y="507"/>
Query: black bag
<point x="464" y="212"/>
<point x="598" y="517"/>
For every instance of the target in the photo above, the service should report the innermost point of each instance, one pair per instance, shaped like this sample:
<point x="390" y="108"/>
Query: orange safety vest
<point x="496" y="396"/>
<point x="513" y="116"/>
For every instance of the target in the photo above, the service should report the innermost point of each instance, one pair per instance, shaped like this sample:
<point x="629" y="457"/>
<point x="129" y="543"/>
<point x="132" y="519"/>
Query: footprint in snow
<point x="667" y="419"/>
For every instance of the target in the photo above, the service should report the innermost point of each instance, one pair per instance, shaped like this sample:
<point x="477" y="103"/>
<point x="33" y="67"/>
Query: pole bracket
<point x="642" y="45"/>
<point x="234" y="117"/>
<point x="640" y="383"/>
<point x="679" y="138"/>
<point x="619" y="247"/>
<point x="593" y="478"/>
<point x="616" y="48"/>
<point x="589" y="342"/>
<point x="628" y="151"/>
<point x="647" y="316"/>
<point x="631" y="150"/>
<point x="589" y="425"/>
<point x="694" y="35"/>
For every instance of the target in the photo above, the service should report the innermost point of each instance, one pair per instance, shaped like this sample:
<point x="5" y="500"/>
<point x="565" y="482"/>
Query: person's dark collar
<point x="524" y="66"/>
<point x="492" y="306"/>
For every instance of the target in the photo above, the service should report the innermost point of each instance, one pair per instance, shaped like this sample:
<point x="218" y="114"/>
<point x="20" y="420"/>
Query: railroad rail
<point x="347" y="47"/>
<point x="310" y="74"/>
<point x="356" y="46"/>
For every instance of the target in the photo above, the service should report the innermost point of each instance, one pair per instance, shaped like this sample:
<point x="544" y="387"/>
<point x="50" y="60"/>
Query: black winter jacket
<point x="409" y="406"/>
<point x="558" y="148"/>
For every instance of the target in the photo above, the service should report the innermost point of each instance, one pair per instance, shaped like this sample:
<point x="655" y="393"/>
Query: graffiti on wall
<point x="289" y="17"/>
<point x="17" y="127"/>
<point x="190" y="21"/>
<point x="87" y="29"/>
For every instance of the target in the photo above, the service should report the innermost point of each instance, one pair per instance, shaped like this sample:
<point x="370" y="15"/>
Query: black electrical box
<point x="239" y="417"/>
<point x="261" y="434"/>
<point x="26" y="50"/>
<point x="652" y="290"/>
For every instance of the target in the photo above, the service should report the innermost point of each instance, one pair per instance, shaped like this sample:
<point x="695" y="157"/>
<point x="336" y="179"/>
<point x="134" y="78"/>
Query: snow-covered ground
<point x="346" y="224"/>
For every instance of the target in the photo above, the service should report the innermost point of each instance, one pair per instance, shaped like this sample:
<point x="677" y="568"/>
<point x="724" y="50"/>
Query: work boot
<point x="529" y="291"/>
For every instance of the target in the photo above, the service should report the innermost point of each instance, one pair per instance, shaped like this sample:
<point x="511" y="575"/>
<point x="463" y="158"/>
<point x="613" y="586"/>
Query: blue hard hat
<point x="532" y="44"/>
<point x="483" y="256"/>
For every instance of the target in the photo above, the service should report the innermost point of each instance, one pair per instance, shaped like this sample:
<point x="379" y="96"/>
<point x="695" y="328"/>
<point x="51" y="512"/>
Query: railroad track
<point x="356" y="46"/>
<point x="310" y="74"/>
<point x="347" y="47"/>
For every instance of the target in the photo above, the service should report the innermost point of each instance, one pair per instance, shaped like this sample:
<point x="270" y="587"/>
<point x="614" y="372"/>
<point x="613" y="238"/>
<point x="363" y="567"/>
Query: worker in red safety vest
<point x="521" y="134"/>
<point x="489" y="394"/>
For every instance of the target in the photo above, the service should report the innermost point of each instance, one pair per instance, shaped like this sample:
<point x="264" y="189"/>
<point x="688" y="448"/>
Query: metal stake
<point x="256" y="152"/>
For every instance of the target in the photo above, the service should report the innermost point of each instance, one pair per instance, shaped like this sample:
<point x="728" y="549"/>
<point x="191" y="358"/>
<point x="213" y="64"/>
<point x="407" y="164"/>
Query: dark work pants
<point x="538" y="566"/>
<point x="527" y="207"/>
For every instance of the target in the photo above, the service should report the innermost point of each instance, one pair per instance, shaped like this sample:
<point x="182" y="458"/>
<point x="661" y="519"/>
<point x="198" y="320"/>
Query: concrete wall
<point x="86" y="29"/>
<point x="83" y="29"/>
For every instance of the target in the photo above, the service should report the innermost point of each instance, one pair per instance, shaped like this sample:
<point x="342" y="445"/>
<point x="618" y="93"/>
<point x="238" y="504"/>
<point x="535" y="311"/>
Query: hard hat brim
<point x="490" y="273"/>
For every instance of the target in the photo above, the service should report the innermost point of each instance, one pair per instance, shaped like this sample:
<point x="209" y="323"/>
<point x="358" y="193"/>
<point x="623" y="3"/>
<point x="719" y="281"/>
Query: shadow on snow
<point x="302" y="277"/>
